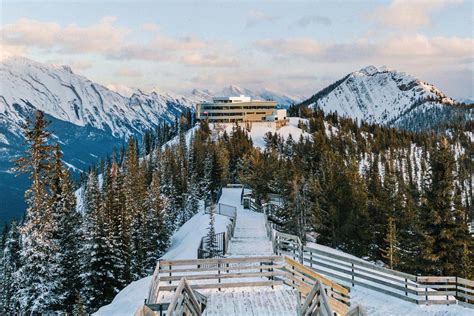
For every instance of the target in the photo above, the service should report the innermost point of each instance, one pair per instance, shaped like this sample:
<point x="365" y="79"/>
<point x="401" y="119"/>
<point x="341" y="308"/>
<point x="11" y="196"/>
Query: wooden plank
<point x="464" y="289"/>
<point x="188" y="262"/>
<point x="466" y="282"/>
<point x="342" y="297"/>
<point x="437" y="286"/>
<point x="223" y="276"/>
<point x="436" y="293"/>
<point x="337" y="306"/>
<point x="375" y="288"/>
<point x="400" y="286"/>
<point x="465" y="295"/>
<point x="317" y="276"/>
<point x="361" y="263"/>
<point x="318" y="261"/>
<point x="225" y="285"/>
<point x="437" y="302"/>
<point x="222" y="268"/>
<point x="436" y="279"/>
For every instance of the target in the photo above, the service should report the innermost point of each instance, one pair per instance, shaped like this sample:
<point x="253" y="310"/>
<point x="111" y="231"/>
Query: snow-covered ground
<point x="184" y="245"/>
<point x="250" y="232"/>
<point x="259" y="129"/>
<point x="250" y="238"/>
<point x="379" y="304"/>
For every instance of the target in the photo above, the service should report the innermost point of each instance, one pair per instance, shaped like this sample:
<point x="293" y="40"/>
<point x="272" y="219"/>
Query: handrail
<point x="218" y="273"/>
<point x="184" y="300"/>
<point x="316" y="303"/>
<point x="416" y="289"/>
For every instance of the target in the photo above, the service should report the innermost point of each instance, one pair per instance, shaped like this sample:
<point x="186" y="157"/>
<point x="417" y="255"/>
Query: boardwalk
<point x="250" y="237"/>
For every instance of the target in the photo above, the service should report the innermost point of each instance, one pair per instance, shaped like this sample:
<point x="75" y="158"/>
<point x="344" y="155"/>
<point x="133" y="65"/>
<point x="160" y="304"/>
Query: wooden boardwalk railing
<point x="222" y="273"/>
<point x="352" y="271"/>
<point x="316" y="303"/>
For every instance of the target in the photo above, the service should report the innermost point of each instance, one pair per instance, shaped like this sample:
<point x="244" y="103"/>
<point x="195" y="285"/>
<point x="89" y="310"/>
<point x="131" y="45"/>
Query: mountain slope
<point x="87" y="119"/>
<point x="281" y="98"/>
<point x="389" y="97"/>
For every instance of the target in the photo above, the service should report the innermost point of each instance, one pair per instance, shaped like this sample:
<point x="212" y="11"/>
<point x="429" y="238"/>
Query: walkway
<point x="250" y="238"/>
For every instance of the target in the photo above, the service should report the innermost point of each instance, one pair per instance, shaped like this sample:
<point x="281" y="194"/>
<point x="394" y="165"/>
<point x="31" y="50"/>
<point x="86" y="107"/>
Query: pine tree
<point x="66" y="235"/>
<point x="211" y="245"/>
<point x="157" y="235"/>
<point x="9" y="264"/>
<point x="96" y="276"/>
<point x="443" y="248"/>
<point x="36" y="276"/>
<point x="390" y="253"/>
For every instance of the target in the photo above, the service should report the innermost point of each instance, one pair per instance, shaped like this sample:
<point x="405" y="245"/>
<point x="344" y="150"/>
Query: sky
<point x="295" y="47"/>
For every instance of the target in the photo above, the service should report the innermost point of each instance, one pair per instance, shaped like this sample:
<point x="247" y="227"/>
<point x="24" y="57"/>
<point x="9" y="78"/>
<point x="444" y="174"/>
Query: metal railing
<point x="221" y="238"/>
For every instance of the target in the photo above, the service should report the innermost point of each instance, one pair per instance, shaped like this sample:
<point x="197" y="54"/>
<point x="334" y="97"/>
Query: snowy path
<point x="262" y="302"/>
<point x="250" y="238"/>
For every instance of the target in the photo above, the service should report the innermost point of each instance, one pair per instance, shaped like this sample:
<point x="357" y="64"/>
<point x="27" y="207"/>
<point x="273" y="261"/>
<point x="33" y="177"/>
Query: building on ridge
<point x="240" y="109"/>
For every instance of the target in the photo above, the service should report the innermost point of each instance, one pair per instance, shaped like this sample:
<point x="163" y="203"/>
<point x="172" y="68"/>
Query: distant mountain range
<point x="282" y="99"/>
<point x="89" y="120"/>
<point x="389" y="97"/>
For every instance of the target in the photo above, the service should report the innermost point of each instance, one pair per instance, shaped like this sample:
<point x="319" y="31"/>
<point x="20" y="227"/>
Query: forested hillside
<point x="393" y="196"/>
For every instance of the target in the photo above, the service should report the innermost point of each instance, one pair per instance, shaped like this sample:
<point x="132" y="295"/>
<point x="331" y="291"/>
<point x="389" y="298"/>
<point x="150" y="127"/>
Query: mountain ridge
<point x="389" y="97"/>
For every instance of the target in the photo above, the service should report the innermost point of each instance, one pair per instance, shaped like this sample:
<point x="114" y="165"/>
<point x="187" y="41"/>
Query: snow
<point x="250" y="238"/>
<point x="377" y="303"/>
<point x="259" y="129"/>
<point x="184" y="244"/>
<point x="378" y="95"/>
<point x="281" y="98"/>
<point x="250" y="229"/>
<point x="3" y="139"/>
<point x="57" y="91"/>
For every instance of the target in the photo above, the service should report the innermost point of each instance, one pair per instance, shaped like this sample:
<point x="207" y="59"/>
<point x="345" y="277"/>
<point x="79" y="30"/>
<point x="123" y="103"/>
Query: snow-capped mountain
<point x="389" y="97"/>
<point x="281" y="98"/>
<point x="87" y="119"/>
<point x="59" y="92"/>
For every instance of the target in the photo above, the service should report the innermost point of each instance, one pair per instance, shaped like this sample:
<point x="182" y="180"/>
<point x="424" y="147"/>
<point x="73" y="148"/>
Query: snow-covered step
<point x="252" y="301"/>
<point x="250" y="235"/>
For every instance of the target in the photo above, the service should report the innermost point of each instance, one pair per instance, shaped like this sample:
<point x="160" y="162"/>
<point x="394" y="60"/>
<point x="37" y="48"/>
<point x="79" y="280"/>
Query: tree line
<point x="392" y="196"/>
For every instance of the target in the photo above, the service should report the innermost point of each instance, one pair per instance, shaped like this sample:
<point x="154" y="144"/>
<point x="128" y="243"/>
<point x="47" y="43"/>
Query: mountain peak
<point x="372" y="70"/>
<point x="379" y="95"/>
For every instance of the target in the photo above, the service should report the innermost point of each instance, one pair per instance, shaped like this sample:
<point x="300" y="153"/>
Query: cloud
<point x="297" y="47"/>
<point x="106" y="39"/>
<point x="255" y="17"/>
<point x="308" y="20"/>
<point x="209" y="60"/>
<point x="101" y="37"/>
<point x="408" y="49"/>
<point x="408" y="14"/>
<point x="128" y="72"/>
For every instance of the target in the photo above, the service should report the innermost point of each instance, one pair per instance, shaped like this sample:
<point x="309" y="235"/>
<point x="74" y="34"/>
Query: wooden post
<point x="456" y="287"/>
<point x="170" y="273"/>
<point x="406" y="287"/>
<point x="219" y="272"/>
<point x="352" y="274"/>
<point x="311" y="258"/>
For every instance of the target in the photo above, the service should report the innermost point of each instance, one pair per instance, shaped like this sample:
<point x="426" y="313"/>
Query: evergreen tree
<point x="96" y="276"/>
<point x="157" y="235"/>
<point x="443" y="229"/>
<point x="36" y="277"/>
<point x="66" y="236"/>
<point x="9" y="264"/>
<point x="211" y="245"/>
<point x="390" y="253"/>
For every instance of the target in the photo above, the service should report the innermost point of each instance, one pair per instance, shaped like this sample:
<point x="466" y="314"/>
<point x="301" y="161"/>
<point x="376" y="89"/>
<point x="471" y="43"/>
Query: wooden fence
<point x="267" y="271"/>
<point x="352" y="271"/>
